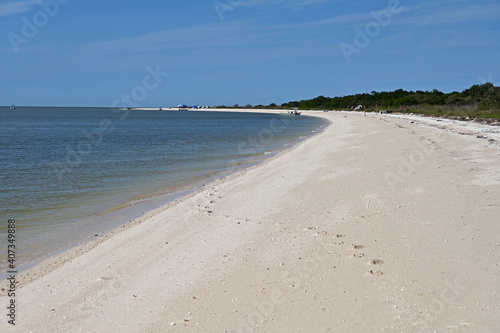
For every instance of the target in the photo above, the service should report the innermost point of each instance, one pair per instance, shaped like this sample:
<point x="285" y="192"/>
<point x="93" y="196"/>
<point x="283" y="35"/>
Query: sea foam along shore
<point x="375" y="223"/>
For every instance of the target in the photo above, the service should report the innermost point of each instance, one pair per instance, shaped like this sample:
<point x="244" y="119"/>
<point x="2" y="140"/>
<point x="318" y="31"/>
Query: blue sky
<point x="103" y="53"/>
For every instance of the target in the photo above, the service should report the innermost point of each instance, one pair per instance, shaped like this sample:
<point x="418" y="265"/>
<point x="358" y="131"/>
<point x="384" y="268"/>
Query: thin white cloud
<point x="444" y="12"/>
<point x="248" y="35"/>
<point x="205" y="36"/>
<point x="340" y="19"/>
<point x="263" y="3"/>
<point x="304" y="3"/>
<point x="449" y="15"/>
<point x="8" y="8"/>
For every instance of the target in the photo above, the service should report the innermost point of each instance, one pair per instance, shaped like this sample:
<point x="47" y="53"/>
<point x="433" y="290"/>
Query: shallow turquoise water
<point x="62" y="169"/>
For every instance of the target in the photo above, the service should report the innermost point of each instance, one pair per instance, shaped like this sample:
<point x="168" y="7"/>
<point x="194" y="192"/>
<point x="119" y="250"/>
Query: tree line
<point x="478" y="100"/>
<point x="483" y="96"/>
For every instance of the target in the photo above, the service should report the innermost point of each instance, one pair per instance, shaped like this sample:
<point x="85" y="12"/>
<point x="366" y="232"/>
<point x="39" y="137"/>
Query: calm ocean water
<point x="70" y="173"/>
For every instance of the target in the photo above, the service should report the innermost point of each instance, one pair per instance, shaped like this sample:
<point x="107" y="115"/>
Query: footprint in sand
<point x="376" y="262"/>
<point x="359" y="255"/>
<point x="210" y="192"/>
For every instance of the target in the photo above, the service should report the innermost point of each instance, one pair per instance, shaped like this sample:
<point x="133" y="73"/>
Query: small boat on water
<point x="13" y="107"/>
<point x="293" y="112"/>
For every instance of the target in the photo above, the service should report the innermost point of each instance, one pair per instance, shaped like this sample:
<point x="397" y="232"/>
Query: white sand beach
<point x="380" y="223"/>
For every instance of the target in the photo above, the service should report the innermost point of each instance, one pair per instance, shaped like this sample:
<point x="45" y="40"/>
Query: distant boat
<point x="294" y="112"/>
<point x="13" y="107"/>
<point x="291" y="113"/>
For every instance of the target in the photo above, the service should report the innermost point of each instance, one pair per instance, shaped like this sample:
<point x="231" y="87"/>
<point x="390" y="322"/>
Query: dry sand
<point x="379" y="223"/>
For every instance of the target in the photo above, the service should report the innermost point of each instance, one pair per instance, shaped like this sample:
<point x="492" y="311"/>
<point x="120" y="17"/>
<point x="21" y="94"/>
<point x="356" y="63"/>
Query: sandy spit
<point x="379" y="223"/>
